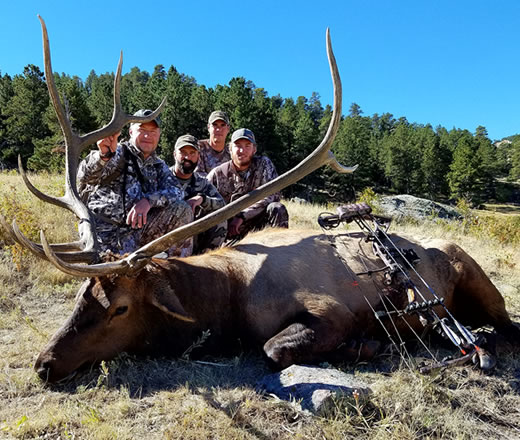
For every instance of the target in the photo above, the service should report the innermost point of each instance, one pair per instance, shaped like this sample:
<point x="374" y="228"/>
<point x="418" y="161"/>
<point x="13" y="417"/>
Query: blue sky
<point x="453" y="63"/>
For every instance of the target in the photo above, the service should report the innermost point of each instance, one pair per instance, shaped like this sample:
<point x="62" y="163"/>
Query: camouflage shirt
<point x="198" y="185"/>
<point x="209" y="158"/>
<point x="233" y="184"/>
<point x="104" y="188"/>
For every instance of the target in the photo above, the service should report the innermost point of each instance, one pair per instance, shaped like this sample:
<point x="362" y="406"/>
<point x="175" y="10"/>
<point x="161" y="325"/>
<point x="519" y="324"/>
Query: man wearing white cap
<point x="213" y="151"/>
<point x="242" y="174"/>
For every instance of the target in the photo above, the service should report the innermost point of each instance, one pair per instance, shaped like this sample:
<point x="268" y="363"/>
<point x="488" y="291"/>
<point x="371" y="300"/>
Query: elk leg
<point x="477" y="302"/>
<point x="306" y="341"/>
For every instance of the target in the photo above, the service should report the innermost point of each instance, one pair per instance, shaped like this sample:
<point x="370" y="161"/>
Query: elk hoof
<point x="484" y="359"/>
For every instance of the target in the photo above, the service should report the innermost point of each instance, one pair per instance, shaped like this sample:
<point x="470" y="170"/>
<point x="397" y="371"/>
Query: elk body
<point x="285" y="291"/>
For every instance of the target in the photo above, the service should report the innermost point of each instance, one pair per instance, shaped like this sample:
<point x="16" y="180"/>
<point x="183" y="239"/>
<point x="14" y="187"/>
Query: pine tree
<point x="435" y="162"/>
<point x="24" y="122"/>
<point x="463" y="177"/>
<point x="514" y="173"/>
<point x="6" y="93"/>
<point x="49" y="152"/>
<point x="401" y="159"/>
<point x="101" y="97"/>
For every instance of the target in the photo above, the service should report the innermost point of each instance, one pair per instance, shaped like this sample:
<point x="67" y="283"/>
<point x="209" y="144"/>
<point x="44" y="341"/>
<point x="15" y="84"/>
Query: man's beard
<point x="187" y="166"/>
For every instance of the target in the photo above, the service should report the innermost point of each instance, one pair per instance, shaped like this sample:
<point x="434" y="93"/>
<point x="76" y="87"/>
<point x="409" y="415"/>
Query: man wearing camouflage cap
<point x="134" y="196"/>
<point x="213" y="151"/>
<point x="242" y="174"/>
<point x="201" y="195"/>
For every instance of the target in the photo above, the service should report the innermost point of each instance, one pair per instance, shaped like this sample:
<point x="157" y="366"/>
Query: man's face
<point x="242" y="152"/>
<point x="186" y="159"/>
<point x="218" y="130"/>
<point x="145" y="137"/>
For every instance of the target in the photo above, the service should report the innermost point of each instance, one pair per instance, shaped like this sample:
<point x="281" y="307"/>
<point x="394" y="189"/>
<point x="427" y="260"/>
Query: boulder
<point x="421" y="209"/>
<point x="314" y="387"/>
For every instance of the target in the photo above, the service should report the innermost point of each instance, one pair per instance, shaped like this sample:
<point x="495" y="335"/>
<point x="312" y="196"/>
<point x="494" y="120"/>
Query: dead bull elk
<point x="284" y="290"/>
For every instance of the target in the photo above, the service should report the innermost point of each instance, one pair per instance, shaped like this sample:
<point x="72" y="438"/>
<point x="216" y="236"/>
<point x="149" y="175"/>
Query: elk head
<point x="113" y="314"/>
<point x="100" y="300"/>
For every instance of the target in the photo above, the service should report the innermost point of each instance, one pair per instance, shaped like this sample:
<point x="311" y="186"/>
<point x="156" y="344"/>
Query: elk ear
<point x="165" y="299"/>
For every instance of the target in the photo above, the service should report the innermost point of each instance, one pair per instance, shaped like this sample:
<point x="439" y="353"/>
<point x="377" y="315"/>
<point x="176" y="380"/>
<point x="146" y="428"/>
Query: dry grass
<point x="132" y="398"/>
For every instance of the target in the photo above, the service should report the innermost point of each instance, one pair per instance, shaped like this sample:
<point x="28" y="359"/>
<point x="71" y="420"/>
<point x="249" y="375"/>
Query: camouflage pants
<point x="275" y="216"/>
<point x="123" y="239"/>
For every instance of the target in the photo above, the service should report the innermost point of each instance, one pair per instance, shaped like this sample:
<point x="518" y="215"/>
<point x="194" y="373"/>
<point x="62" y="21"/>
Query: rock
<point x="315" y="387"/>
<point x="300" y="201"/>
<point x="409" y="206"/>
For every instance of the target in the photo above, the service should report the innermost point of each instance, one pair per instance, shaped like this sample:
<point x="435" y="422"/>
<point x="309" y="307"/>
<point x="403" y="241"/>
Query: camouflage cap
<point x="243" y="133"/>
<point x="187" y="140"/>
<point x="146" y="112"/>
<point x="218" y="115"/>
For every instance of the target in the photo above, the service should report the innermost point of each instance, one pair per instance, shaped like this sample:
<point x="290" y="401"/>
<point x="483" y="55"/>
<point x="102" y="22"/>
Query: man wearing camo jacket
<point x="134" y="196"/>
<point x="242" y="174"/>
<point x="213" y="151"/>
<point x="201" y="195"/>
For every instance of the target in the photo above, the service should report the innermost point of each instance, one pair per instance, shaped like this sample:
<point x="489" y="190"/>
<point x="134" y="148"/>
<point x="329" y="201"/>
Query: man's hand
<point x="234" y="226"/>
<point x="108" y="144"/>
<point x="137" y="216"/>
<point x="194" y="202"/>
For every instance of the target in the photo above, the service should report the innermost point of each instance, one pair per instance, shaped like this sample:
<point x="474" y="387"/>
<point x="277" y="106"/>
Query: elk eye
<point x="120" y="310"/>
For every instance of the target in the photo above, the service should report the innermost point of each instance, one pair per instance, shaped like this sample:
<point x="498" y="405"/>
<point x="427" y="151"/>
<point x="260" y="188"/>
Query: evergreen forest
<point x="395" y="155"/>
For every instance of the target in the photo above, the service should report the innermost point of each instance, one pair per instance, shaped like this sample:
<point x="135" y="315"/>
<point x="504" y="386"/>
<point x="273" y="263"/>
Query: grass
<point x="162" y="398"/>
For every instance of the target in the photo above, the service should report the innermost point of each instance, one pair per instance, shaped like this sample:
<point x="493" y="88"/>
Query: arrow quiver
<point x="399" y="262"/>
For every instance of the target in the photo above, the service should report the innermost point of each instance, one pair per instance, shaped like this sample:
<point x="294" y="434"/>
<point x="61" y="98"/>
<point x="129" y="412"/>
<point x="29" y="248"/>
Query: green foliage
<point x="464" y="171"/>
<point x="514" y="173"/>
<point x="23" y="114"/>
<point x="394" y="155"/>
<point x="197" y="344"/>
<point x="368" y="196"/>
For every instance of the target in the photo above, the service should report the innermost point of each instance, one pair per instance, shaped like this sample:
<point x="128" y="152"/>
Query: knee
<point x="183" y="211"/>
<point x="278" y="215"/>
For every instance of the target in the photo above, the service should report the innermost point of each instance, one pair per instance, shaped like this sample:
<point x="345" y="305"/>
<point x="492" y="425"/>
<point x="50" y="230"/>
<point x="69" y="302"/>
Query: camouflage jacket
<point x="233" y="184"/>
<point x="198" y="185"/>
<point x="106" y="191"/>
<point x="209" y="158"/>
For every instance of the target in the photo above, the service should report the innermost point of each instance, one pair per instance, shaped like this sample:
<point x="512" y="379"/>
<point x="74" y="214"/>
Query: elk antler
<point x="319" y="157"/>
<point x="87" y="248"/>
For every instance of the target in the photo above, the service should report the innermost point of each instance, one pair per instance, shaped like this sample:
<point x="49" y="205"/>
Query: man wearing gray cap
<point x="132" y="193"/>
<point x="201" y="195"/>
<point x="213" y="151"/>
<point x="242" y="174"/>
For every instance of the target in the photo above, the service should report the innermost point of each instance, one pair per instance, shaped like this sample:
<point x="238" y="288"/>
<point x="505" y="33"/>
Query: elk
<point x="290" y="292"/>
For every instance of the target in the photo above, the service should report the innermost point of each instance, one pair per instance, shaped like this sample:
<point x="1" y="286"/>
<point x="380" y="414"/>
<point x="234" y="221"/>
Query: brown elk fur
<point x="287" y="291"/>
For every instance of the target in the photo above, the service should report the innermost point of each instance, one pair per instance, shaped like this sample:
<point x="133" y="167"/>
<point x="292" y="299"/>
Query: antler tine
<point x="119" y="117"/>
<point x="65" y="124"/>
<point x="119" y="267"/>
<point x="66" y="251"/>
<point x="7" y="228"/>
<point x="58" y="201"/>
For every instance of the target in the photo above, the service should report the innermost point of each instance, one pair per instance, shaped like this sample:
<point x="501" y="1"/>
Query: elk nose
<point x="43" y="369"/>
